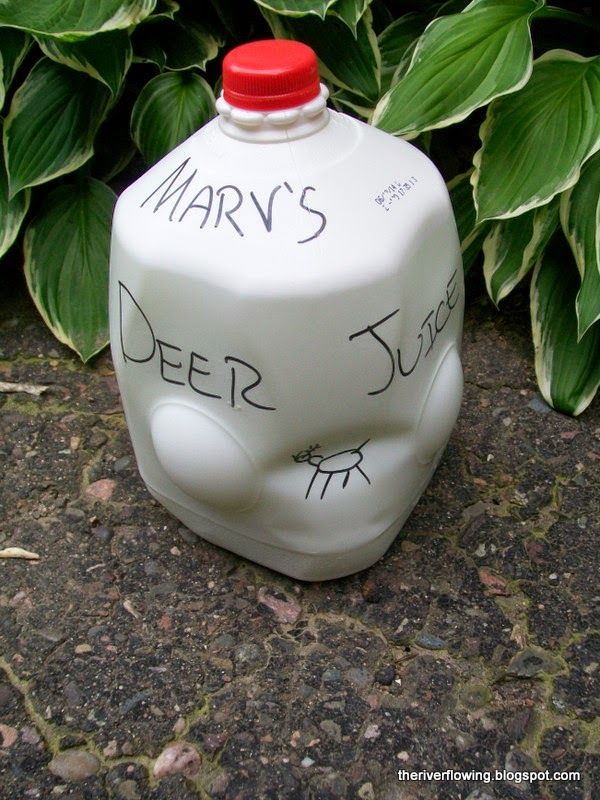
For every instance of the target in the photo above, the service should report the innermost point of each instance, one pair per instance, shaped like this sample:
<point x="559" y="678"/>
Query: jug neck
<point x="274" y="126"/>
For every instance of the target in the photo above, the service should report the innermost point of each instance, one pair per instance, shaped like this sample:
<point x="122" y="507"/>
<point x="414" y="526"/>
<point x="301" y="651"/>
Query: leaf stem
<point x="553" y="12"/>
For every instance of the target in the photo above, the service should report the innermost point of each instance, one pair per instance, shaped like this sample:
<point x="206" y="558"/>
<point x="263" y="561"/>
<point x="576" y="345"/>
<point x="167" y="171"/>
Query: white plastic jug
<point x="286" y="305"/>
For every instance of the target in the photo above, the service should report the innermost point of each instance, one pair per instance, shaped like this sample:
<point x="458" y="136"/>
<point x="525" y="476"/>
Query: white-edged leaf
<point x="13" y="49"/>
<point x="175" y="44"/>
<point x="534" y="142"/>
<point x="105" y="57"/>
<point x="395" y="42"/>
<point x="344" y="100"/>
<point x="170" y="108"/>
<point x="12" y="211"/>
<point x="349" y="11"/>
<point x="297" y="8"/>
<point x="460" y="63"/>
<point x="513" y="246"/>
<point x="567" y="369"/>
<point x="351" y="63"/>
<point x="580" y="218"/>
<point x="50" y="128"/>
<point x="164" y="9"/>
<point x="471" y="234"/>
<point x="73" y="19"/>
<point x="66" y="251"/>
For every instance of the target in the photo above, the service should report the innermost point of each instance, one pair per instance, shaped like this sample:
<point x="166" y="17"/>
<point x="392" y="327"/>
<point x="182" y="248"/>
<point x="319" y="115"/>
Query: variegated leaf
<point x="395" y="42"/>
<point x="66" y="264"/>
<point x="175" y="44"/>
<point x="513" y="247"/>
<point x="534" y="142"/>
<point x="73" y="19"/>
<point x="580" y="218"/>
<point x="471" y="234"/>
<point x="51" y="124"/>
<point x="13" y="49"/>
<point x="12" y="211"/>
<point x="105" y="57"/>
<point x="349" y="11"/>
<point x="297" y="8"/>
<point x="170" y="108"/>
<point x="461" y="62"/>
<point x="567" y="368"/>
<point x="351" y="63"/>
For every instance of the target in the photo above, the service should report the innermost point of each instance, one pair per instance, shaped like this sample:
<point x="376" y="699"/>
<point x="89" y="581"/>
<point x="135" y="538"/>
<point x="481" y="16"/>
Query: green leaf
<point x="567" y="370"/>
<point x="13" y="49"/>
<point x="168" y="110"/>
<point x="460" y="63"/>
<point x="164" y="9"/>
<point x="580" y="218"/>
<point x="351" y="103"/>
<point x="534" y="142"/>
<point x="352" y="64"/>
<point x="51" y="125"/>
<point x="177" y="45"/>
<point x="105" y="57"/>
<point x="297" y="8"/>
<point x="471" y="234"/>
<point x="66" y="263"/>
<point x="395" y="41"/>
<point x="73" y="19"/>
<point x="514" y="246"/>
<point x="12" y="211"/>
<point x="349" y="11"/>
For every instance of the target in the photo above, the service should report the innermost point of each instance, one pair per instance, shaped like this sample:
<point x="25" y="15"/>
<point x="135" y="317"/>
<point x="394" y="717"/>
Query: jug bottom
<point x="302" y="566"/>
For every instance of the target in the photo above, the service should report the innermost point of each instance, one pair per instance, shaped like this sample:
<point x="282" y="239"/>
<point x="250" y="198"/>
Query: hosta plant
<point x="503" y="94"/>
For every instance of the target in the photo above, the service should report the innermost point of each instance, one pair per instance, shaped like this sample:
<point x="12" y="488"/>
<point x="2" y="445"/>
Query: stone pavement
<point x="138" y="662"/>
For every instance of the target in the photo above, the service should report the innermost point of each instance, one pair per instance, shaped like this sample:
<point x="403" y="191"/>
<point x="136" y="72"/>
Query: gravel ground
<point x="138" y="662"/>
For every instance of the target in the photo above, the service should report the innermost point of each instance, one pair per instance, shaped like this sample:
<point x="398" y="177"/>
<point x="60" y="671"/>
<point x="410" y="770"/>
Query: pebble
<point x="537" y="403"/>
<point x="248" y="654"/>
<point x="332" y="729"/>
<point x="74" y="765"/>
<point x="531" y="661"/>
<point x="74" y="514"/>
<point x="372" y="732"/>
<point x="72" y="693"/>
<point x="286" y="611"/>
<point x="111" y="749"/>
<point x="30" y="736"/>
<point x="81" y="649"/>
<point x="331" y="675"/>
<point x="307" y="762"/>
<point x="385" y="675"/>
<point x="8" y="736"/>
<point x="180" y="758"/>
<point x="121" y="464"/>
<point x="366" y="792"/>
<point x="128" y="790"/>
<point x="102" y="489"/>
<point x="430" y="641"/>
<point x="104" y="534"/>
<point x="359" y="678"/>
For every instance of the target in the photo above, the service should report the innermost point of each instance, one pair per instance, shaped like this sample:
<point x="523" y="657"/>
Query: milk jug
<point x="286" y="305"/>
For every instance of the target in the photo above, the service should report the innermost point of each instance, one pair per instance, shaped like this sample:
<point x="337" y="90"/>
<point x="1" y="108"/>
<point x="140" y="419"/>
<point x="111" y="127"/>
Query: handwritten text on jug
<point x="229" y="378"/>
<point x="182" y="196"/>
<point x="404" y="361"/>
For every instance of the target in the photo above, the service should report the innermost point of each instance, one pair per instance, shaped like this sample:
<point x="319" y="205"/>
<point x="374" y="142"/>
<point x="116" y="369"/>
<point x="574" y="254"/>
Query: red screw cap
<point x="270" y="75"/>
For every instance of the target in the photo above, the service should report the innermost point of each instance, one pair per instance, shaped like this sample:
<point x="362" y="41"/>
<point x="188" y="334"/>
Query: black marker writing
<point x="226" y="206"/>
<point x="139" y="344"/>
<point x="433" y="324"/>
